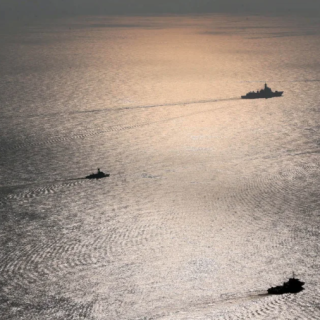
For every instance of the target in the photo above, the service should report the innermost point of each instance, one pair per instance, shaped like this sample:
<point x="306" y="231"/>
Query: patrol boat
<point x="292" y="286"/>
<point x="263" y="93"/>
<point x="98" y="175"/>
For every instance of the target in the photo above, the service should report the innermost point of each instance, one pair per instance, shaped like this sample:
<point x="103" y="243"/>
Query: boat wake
<point x="32" y="190"/>
<point x="109" y="129"/>
<point x="217" y="306"/>
<point x="123" y="108"/>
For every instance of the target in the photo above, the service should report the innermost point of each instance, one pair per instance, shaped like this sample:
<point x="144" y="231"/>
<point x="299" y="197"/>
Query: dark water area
<point x="211" y="199"/>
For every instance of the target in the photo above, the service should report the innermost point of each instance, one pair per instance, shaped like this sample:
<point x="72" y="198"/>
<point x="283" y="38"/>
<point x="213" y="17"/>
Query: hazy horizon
<point x="17" y="9"/>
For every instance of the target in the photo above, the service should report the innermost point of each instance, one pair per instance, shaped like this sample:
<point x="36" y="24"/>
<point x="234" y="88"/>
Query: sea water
<point x="211" y="199"/>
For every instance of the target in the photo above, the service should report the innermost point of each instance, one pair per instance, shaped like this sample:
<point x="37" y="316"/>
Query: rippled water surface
<point x="211" y="199"/>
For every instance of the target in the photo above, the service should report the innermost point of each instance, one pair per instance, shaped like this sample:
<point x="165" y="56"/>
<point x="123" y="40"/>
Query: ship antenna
<point x="293" y="274"/>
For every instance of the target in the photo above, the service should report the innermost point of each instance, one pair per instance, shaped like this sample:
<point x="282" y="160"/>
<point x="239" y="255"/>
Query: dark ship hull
<point x="98" y="175"/>
<point x="282" y="290"/>
<point x="291" y="286"/>
<point x="255" y="95"/>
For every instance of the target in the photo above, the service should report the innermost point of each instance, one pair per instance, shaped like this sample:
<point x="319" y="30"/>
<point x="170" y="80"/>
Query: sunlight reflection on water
<point x="211" y="199"/>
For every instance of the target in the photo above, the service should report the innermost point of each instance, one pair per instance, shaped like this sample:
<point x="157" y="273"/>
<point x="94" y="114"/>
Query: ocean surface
<point x="211" y="199"/>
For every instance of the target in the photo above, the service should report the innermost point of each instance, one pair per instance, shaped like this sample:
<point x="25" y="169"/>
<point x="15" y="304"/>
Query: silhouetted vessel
<point x="263" y="93"/>
<point x="292" y="286"/>
<point x="98" y="175"/>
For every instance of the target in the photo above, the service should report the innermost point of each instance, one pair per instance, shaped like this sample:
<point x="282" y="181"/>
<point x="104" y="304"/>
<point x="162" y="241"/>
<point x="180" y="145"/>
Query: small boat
<point x="262" y="94"/>
<point x="98" y="175"/>
<point x="292" y="286"/>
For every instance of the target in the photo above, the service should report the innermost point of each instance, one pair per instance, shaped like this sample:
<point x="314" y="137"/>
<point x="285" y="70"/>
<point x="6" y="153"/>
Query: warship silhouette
<point x="292" y="286"/>
<point x="98" y="175"/>
<point x="263" y="93"/>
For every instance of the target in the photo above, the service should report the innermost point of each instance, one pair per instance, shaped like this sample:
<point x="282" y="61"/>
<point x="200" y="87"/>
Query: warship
<point x="292" y="286"/>
<point x="263" y="93"/>
<point x="98" y="175"/>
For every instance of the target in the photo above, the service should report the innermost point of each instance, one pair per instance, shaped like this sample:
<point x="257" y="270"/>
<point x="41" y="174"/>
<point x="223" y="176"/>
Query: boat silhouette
<point x="292" y="286"/>
<point x="262" y="94"/>
<point x="98" y="175"/>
